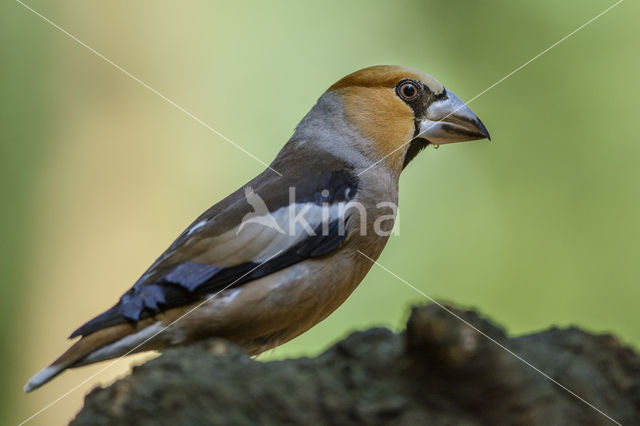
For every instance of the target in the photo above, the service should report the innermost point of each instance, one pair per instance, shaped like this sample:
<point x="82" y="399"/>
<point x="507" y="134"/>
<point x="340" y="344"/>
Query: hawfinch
<point x="281" y="253"/>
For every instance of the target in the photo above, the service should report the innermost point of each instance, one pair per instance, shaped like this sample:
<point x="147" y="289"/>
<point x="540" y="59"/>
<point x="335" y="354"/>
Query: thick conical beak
<point x="449" y="120"/>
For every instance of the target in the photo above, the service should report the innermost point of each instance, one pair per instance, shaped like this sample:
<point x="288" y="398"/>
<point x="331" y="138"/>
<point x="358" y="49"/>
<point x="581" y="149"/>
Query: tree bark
<point x="439" y="371"/>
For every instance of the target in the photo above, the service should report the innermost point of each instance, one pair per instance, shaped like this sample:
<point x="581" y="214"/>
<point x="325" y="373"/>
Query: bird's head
<point x="399" y="111"/>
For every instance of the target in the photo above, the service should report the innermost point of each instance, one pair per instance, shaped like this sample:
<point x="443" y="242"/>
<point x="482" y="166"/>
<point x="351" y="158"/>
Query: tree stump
<point x="440" y="371"/>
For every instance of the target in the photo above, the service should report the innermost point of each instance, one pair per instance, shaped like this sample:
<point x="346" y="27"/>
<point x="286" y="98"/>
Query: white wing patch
<point x="260" y="237"/>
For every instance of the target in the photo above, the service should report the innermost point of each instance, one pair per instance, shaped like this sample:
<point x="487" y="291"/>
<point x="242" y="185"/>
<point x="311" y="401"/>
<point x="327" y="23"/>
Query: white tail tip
<point x="42" y="377"/>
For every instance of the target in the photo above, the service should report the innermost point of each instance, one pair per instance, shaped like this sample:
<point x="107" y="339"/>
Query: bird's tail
<point x="108" y="343"/>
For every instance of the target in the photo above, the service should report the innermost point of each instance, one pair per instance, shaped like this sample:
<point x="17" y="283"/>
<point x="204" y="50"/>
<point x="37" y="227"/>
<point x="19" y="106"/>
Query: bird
<point x="285" y="250"/>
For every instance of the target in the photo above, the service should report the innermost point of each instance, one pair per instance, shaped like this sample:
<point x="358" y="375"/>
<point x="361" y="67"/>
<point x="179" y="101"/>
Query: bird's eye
<point x="408" y="90"/>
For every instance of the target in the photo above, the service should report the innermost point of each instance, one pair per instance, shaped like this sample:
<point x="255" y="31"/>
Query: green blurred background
<point x="537" y="228"/>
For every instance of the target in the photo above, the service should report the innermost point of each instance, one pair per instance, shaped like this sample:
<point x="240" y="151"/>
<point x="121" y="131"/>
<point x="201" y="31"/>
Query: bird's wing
<point x="250" y="234"/>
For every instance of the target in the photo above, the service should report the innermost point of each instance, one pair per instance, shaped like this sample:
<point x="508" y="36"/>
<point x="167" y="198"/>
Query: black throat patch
<point x="415" y="146"/>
